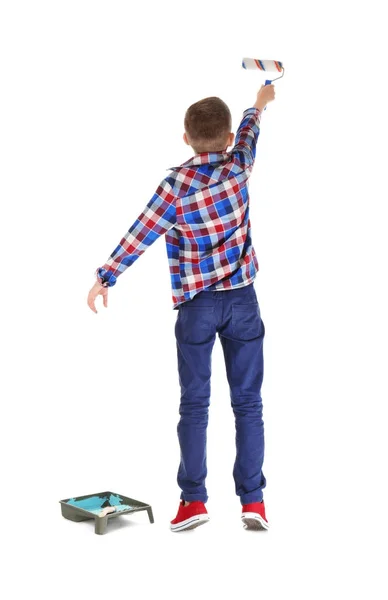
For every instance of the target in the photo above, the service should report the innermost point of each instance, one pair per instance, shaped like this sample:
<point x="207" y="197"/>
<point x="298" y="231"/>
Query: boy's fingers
<point x="105" y="297"/>
<point x="91" y="303"/>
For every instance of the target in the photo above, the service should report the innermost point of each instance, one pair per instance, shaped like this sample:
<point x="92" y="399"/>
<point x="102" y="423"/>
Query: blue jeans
<point x="235" y="315"/>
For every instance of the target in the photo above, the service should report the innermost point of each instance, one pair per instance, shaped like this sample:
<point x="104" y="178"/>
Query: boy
<point x="203" y="208"/>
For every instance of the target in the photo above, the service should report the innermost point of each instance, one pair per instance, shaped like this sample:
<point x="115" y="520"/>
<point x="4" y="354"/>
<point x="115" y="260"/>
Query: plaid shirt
<point x="203" y="208"/>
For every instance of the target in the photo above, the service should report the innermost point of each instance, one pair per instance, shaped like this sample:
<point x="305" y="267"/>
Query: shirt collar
<point x="203" y="158"/>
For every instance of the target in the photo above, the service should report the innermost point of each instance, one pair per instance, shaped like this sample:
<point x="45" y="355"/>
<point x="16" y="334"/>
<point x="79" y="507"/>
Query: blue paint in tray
<point x="94" y="504"/>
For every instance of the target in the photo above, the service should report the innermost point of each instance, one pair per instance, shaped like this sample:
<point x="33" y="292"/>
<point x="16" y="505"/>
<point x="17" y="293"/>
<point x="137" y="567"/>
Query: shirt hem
<point x="219" y="289"/>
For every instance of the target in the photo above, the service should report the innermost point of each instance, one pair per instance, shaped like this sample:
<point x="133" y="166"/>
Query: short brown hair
<point x="207" y="124"/>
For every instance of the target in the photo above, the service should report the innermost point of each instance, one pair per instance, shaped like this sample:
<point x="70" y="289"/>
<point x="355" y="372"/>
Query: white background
<point x="93" y="96"/>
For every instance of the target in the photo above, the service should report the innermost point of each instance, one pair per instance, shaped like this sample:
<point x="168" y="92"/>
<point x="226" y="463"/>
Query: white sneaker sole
<point x="191" y="523"/>
<point x="254" y="521"/>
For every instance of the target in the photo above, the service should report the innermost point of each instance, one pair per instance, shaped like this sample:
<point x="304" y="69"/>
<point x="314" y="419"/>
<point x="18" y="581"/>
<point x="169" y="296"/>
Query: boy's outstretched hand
<point x="97" y="290"/>
<point x="265" y="94"/>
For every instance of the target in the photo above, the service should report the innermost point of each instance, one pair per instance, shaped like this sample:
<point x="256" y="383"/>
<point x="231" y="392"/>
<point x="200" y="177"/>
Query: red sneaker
<point x="189" y="516"/>
<point x="253" y="516"/>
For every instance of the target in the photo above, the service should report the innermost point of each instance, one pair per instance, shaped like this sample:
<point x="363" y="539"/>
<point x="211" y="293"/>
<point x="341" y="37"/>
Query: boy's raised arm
<point x="249" y="128"/>
<point x="156" y="219"/>
<point x="247" y="134"/>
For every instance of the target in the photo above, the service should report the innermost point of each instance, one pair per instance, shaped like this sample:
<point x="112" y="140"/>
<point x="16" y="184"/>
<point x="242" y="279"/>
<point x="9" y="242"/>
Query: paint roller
<point x="264" y="65"/>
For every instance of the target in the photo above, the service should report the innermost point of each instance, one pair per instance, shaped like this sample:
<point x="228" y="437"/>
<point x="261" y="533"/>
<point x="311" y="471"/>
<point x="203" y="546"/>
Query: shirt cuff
<point x="105" y="278"/>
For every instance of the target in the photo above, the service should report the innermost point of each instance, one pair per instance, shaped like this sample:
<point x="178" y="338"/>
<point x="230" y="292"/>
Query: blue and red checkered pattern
<point x="202" y="207"/>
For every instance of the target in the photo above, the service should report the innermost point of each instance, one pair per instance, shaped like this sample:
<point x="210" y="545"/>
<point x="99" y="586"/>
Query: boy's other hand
<point x="97" y="290"/>
<point x="265" y="94"/>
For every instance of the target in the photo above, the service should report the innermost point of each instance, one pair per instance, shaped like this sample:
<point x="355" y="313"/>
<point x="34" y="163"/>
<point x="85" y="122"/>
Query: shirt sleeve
<point x="156" y="219"/>
<point x="244" y="150"/>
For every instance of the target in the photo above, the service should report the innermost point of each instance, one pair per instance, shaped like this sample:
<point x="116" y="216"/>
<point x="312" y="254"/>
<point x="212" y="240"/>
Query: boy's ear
<point x="185" y="139"/>
<point x="231" y="139"/>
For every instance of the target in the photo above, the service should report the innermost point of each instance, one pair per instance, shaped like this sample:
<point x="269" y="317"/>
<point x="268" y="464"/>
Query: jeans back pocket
<point x="246" y="321"/>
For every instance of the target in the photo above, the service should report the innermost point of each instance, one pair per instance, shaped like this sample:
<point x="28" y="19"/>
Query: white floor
<point x="302" y="556"/>
<point x="314" y="549"/>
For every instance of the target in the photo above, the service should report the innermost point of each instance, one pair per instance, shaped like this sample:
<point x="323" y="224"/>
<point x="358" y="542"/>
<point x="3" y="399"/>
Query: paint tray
<point x="101" y="507"/>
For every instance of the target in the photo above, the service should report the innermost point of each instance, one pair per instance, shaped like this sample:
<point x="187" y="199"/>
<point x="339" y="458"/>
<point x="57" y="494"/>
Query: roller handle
<point x="267" y="82"/>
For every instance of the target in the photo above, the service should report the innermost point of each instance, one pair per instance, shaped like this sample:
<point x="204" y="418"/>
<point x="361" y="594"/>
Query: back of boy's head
<point x="207" y="124"/>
